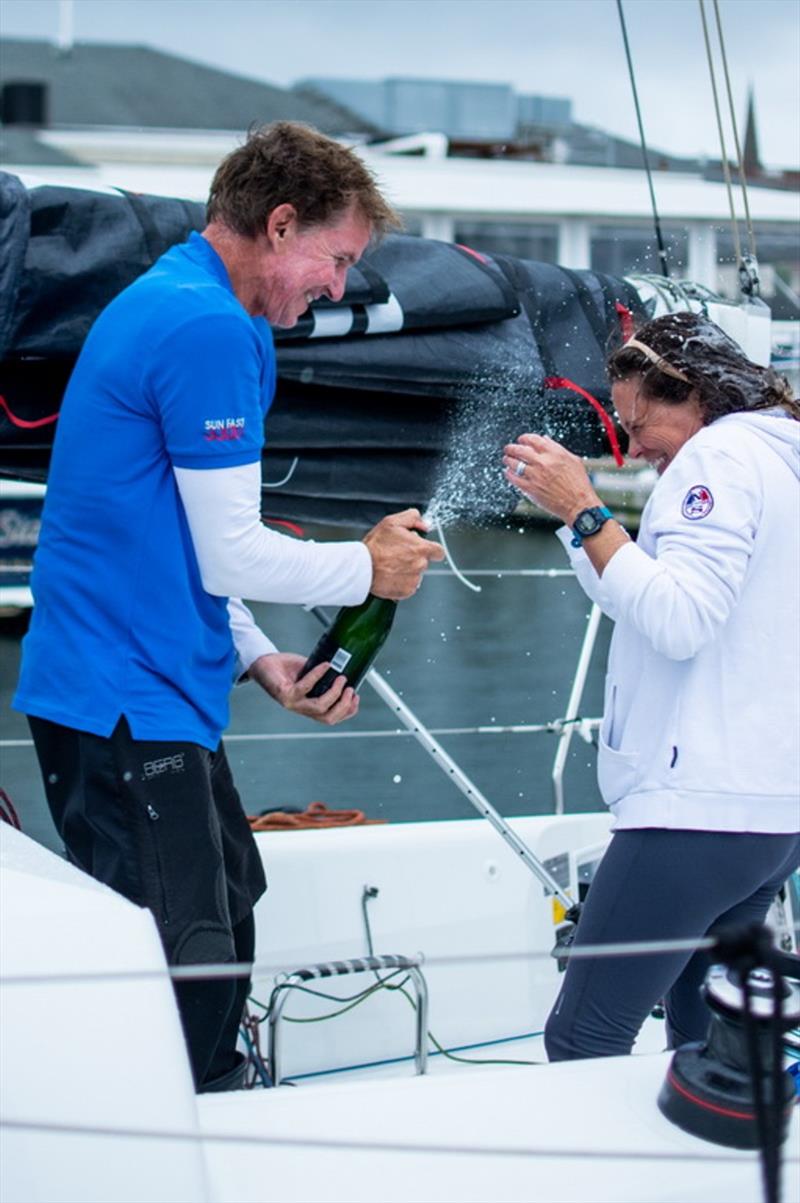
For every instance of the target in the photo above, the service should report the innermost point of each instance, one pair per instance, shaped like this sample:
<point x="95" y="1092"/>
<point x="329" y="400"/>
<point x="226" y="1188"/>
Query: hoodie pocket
<point x="617" y="771"/>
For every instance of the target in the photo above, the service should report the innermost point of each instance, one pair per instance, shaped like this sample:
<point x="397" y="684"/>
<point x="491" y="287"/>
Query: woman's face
<point x="656" y="429"/>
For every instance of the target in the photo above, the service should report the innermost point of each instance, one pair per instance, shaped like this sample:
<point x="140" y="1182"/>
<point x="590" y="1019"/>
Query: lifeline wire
<point x="245" y="969"/>
<point x="313" y="1142"/>
<point x="554" y="726"/>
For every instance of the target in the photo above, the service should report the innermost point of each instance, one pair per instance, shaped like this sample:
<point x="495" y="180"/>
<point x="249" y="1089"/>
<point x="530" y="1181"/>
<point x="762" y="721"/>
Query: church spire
<point x="752" y="163"/>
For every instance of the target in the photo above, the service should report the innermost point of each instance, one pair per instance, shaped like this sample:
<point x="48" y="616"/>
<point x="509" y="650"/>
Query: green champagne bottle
<point x="352" y="642"/>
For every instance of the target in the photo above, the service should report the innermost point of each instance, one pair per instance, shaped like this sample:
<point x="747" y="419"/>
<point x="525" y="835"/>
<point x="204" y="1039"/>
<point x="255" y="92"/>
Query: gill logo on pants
<point x="166" y="764"/>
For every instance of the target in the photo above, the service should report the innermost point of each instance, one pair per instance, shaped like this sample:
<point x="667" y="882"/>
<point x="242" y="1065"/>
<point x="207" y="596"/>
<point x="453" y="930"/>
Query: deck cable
<point x="386" y="983"/>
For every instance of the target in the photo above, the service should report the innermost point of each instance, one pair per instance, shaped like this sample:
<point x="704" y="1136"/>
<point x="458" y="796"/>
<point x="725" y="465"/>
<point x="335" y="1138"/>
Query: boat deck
<point x="565" y="1134"/>
<point x="516" y="1051"/>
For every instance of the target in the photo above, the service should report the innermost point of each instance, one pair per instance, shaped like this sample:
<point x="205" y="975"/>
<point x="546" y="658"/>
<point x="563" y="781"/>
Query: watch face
<point x="588" y="521"/>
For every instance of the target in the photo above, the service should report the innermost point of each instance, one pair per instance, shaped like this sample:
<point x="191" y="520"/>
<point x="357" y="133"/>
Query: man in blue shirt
<point x="152" y="533"/>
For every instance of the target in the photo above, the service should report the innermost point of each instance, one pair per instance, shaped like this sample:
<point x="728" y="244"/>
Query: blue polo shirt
<point x="174" y="373"/>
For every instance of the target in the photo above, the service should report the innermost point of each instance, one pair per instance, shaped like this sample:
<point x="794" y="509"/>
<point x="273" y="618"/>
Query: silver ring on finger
<point x="520" y="468"/>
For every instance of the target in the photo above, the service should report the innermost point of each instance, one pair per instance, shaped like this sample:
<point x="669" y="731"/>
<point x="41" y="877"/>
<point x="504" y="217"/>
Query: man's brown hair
<point x="290" y="163"/>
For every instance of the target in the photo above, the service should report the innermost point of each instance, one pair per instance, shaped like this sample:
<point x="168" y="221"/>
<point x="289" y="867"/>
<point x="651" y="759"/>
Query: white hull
<point x="97" y="1102"/>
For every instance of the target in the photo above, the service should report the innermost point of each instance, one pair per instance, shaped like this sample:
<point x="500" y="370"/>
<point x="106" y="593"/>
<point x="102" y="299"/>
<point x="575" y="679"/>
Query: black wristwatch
<point x="589" y="522"/>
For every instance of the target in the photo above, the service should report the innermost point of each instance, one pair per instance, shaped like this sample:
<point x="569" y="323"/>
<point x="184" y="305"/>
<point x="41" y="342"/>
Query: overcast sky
<point x="567" y="48"/>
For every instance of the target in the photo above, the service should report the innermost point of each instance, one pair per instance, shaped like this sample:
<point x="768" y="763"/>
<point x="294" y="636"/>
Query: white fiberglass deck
<point x="587" y="1132"/>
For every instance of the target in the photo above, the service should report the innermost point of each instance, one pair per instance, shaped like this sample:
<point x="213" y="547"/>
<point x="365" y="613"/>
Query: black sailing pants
<point x="161" y="822"/>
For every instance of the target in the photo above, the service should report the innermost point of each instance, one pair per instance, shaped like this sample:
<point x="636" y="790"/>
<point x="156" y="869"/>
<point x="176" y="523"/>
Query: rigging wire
<point x="737" y="248"/>
<point x="739" y="158"/>
<point x="662" y="252"/>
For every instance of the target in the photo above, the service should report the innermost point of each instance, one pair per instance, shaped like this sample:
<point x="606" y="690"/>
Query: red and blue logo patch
<point x="698" y="503"/>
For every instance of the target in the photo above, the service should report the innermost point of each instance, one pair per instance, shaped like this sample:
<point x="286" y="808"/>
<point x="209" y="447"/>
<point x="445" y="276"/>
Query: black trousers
<point x="655" y="884"/>
<point x="161" y="822"/>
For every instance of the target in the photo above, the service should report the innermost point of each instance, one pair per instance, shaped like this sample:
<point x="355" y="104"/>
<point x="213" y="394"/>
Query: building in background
<point x="469" y="162"/>
<point x="458" y="109"/>
<point x="90" y="104"/>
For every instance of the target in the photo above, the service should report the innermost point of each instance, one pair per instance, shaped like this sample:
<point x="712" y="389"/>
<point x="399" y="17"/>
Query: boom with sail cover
<point x="428" y="338"/>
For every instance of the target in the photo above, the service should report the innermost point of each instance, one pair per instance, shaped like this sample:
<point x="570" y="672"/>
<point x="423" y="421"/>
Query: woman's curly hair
<point x="714" y="366"/>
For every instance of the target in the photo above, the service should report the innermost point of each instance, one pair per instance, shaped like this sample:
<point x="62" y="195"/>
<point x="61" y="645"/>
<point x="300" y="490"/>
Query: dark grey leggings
<point x="654" y="884"/>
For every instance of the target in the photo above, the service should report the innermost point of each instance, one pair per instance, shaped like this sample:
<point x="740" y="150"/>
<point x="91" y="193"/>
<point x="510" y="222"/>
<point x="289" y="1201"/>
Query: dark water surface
<point x="501" y="657"/>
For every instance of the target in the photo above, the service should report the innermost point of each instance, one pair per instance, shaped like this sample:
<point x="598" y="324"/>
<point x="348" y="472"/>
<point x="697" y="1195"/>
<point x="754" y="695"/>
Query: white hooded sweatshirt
<point x="701" y="726"/>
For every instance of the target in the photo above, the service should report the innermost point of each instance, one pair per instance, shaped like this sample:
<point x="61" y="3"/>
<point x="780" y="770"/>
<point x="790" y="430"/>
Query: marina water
<point x="502" y="657"/>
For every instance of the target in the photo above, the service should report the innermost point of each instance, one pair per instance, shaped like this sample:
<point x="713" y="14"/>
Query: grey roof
<point x="117" y="85"/>
<point x="20" y="145"/>
<point x="595" y="147"/>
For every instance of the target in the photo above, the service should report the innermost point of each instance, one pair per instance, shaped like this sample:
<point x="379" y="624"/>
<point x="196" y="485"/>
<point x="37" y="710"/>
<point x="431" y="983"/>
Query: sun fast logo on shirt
<point x="223" y="430"/>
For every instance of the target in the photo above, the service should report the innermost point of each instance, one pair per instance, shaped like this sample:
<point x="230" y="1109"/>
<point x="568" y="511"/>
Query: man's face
<point x="299" y="264"/>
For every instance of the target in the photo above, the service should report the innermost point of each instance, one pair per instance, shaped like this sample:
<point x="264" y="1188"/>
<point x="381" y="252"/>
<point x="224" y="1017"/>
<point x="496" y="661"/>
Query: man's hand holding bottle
<point x="400" y="555"/>
<point x="357" y="633"/>
<point x="317" y="687"/>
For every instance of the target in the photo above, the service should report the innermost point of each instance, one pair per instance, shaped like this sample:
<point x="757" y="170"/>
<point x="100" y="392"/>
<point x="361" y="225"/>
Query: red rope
<point x="291" y="526"/>
<point x="475" y="254"/>
<point x="625" y="320"/>
<point x="563" y="382"/>
<point x="7" y="812"/>
<point x="21" y="421"/>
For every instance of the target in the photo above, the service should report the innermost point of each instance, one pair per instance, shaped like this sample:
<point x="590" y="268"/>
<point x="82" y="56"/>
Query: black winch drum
<point x="708" y="1090"/>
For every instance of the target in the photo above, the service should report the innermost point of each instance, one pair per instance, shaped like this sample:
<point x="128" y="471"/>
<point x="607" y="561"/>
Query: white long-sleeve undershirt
<point x="249" y="641"/>
<point x="239" y="557"/>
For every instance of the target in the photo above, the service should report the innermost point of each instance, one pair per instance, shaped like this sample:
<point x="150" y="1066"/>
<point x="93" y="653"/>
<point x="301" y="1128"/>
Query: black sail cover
<point x="435" y="357"/>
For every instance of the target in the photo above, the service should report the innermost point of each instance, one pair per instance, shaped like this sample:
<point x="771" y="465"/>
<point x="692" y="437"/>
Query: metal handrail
<point x="371" y="964"/>
<point x="468" y="787"/>
<point x="576" y="693"/>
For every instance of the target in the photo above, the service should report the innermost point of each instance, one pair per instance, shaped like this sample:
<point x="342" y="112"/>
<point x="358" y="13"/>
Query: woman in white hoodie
<point x="699" y="759"/>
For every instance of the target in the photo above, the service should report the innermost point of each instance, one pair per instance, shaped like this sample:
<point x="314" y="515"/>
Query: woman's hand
<point x="550" y="475"/>
<point x="277" y="673"/>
